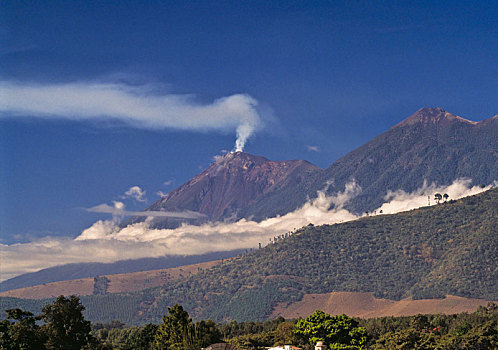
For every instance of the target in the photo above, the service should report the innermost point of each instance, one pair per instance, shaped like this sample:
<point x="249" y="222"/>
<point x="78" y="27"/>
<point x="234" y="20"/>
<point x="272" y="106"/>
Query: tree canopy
<point x="65" y="327"/>
<point x="337" y="332"/>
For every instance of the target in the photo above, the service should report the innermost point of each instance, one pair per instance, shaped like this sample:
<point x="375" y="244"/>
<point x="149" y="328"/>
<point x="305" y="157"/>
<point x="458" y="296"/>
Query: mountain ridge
<point x="434" y="115"/>
<point x="416" y="151"/>
<point x="429" y="146"/>
<point x="425" y="253"/>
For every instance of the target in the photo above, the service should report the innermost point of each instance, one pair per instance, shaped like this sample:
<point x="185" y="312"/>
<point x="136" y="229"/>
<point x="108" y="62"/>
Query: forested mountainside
<point x="429" y="252"/>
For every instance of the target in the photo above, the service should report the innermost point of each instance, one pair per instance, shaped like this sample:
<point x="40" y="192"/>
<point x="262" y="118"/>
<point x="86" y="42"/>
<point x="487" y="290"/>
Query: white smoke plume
<point x="105" y="241"/>
<point x="135" y="106"/>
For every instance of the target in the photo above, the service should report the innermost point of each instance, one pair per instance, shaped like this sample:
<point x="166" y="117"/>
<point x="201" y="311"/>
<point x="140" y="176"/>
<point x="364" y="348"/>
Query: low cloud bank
<point x="398" y="201"/>
<point x="136" y="106"/>
<point x="105" y="242"/>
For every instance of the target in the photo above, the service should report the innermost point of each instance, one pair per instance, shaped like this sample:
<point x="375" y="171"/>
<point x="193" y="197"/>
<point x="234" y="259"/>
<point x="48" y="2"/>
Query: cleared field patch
<point x="118" y="283"/>
<point x="365" y="305"/>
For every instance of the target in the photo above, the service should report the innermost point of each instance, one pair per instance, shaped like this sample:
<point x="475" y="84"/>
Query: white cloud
<point x="104" y="241"/>
<point x="401" y="201"/>
<point x="136" y="193"/>
<point x="136" y="106"/>
<point x="312" y="148"/>
<point x="169" y="182"/>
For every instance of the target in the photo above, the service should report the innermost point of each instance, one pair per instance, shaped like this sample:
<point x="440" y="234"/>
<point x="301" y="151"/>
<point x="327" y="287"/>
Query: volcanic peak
<point x="231" y="183"/>
<point x="433" y="115"/>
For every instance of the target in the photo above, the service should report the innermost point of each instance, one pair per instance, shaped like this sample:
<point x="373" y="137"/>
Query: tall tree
<point x="65" y="326"/>
<point x="438" y="197"/>
<point x="173" y="332"/>
<point x="178" y="332"/>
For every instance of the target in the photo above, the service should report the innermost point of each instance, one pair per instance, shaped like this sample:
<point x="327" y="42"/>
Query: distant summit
<point x="436" y="115"/>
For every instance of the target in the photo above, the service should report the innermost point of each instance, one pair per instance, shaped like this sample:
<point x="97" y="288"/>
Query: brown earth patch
<point x="365" y="305"/>
<point x="118" y="283"/>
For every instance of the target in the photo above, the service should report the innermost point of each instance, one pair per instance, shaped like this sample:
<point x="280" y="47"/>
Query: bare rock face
<point x="229" y="185"/>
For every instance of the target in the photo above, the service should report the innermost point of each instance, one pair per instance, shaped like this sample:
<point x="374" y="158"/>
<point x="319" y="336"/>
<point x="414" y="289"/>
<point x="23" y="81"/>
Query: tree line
<point x="61" y="325"/>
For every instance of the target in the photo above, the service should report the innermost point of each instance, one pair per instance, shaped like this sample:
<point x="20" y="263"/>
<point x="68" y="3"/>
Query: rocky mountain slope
<point x="431" y="145"/>
<point x="232" y="183"/>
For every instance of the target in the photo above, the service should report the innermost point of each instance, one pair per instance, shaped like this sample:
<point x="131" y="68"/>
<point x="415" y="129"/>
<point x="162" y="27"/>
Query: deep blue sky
<point x="334" y="74"/>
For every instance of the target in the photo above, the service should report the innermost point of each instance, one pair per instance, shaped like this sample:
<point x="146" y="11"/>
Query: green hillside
<point x="425" y="253"/>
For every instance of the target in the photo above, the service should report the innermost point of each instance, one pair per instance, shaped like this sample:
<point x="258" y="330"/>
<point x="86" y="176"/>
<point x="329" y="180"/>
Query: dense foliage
<point x="338" y="332"/>
<point x="477" y="330"/>
<point x="64" y="327"/>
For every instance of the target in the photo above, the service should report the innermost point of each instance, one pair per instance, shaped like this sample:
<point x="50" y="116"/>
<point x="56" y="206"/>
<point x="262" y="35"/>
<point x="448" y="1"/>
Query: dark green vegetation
<point x="477" y="330"/>
<point x="449" y="248"/>
<point x="178" y="332"/>
<point x="337" y="332"/>
<point x="100" y="284"/>
<point x="446" y="249"/>
<point x="63" y="327"/>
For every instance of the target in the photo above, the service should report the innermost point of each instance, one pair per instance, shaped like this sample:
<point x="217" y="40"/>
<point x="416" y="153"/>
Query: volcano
<point x="230" y="185"/>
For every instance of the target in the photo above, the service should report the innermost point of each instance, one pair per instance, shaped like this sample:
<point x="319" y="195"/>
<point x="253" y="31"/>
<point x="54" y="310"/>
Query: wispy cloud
<point x="17" y="49"/>
<point x="105" y="241"/>
<point x="120" y="211"/>
<point x="312" y="148"/>
<point x="168" y="182"/>
<point x="137" y="106"/>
